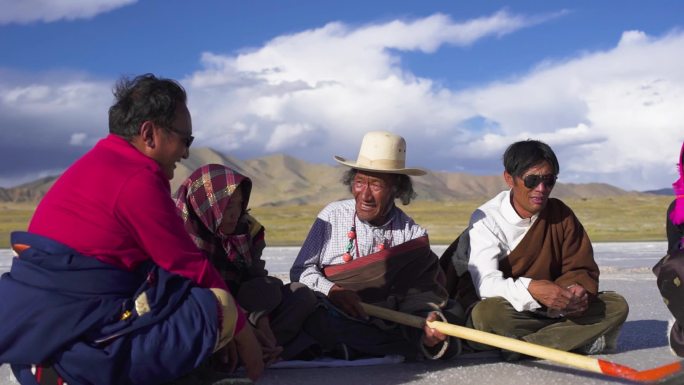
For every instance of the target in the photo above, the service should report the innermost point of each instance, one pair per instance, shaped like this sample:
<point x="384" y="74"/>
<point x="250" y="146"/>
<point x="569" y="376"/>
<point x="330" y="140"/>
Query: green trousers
<point x="605" y="316"/>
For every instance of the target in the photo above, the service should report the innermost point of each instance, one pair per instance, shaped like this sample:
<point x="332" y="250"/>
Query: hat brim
<point x="405" y="171"/>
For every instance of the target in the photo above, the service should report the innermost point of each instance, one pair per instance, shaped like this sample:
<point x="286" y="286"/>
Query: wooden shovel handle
<point x="670" y="374"/>
<point x="495" y="340"/>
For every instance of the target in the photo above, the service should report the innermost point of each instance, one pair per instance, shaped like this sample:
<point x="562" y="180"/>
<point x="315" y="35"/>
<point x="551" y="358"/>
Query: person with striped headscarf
<point x="213" y="203"/>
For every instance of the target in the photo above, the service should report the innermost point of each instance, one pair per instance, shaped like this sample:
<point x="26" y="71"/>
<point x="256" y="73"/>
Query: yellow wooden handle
<point x="491" y="339"/>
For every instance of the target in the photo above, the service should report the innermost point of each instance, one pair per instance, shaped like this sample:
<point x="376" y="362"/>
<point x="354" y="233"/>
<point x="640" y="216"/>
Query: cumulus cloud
<point x="612" y="116"/>
<point x="47" y="121"/>
<point x="624" y="105"/>
<point x="27" y="11"/>
<point x="336" y="82"/>
<point x="342" y="54"/>
<point x="78" y="139"/>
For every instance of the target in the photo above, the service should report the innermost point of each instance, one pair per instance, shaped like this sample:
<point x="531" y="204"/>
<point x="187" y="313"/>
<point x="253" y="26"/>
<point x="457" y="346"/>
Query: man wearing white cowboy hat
<point x="367" y="249"/>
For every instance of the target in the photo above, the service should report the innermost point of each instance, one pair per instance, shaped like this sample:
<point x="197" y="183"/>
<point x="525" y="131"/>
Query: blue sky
<point x="601" y="81"/>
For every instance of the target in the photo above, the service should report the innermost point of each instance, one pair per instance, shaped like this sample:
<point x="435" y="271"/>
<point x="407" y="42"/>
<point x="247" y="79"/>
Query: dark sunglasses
<point x="187" y="139"/>
<point x="532" y="181"/>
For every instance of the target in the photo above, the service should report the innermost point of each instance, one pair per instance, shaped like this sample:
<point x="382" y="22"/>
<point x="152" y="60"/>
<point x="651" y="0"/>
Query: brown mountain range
<point x="284" y="180"/>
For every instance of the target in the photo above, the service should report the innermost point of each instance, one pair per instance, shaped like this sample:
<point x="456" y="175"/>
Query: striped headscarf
<point x="201" y="201"/>
<point x="677" y="214"/>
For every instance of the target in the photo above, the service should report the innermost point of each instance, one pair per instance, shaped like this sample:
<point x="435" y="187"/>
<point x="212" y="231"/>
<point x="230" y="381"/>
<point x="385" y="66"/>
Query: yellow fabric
<point x="229" y="312"/>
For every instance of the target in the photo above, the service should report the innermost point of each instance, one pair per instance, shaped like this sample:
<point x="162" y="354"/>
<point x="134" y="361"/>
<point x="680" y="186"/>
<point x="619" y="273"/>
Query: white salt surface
<point x="625" y="268"/>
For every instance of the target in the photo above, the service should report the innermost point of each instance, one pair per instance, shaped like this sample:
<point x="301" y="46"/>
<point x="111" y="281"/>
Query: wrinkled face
<point x="531" y="199"/>
<point x="374" y="194"/>
<point x="232" y="213"/>
<point x="174" y="142"/>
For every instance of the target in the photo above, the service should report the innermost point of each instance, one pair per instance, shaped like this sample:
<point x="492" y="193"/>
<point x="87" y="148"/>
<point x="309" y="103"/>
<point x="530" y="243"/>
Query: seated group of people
<point x="119" y="281"/>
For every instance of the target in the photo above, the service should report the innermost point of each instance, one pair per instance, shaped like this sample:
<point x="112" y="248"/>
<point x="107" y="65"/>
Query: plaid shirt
<point x="327" y="241"/>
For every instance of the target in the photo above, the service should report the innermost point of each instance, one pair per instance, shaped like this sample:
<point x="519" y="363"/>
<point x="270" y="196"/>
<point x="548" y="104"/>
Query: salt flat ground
<point x="625" y="269"/>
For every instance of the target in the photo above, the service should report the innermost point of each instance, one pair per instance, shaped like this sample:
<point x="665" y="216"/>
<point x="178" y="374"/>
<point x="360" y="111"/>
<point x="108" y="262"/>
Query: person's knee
<point x="228" y="316"/>
<point x="319" y="326"/>
<point x="488" y="312"/>
<point x="616" y="306"/>
<point x="303" y="296"/>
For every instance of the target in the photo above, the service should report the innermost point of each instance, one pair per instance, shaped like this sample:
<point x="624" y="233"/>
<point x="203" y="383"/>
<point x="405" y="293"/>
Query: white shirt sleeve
<point x="327" y="241"/>
<point x="486" y="248"/>
<point x="307" y="266"/>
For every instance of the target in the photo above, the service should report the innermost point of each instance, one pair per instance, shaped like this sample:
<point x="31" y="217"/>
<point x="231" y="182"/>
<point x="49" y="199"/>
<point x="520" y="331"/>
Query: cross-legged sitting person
<point x="213" y="202"/>
<point x="532" y="266"/>
<point x="367" y="249"/>
<point x="107" y="286"/>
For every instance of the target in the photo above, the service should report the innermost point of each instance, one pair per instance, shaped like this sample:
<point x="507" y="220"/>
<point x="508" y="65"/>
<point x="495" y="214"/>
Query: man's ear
<point x="508" y="178"/>
<point x="147" y="133"/>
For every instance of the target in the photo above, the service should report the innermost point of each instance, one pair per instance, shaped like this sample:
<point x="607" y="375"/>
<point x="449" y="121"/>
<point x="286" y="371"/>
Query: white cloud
<point x="627" y="102"/>
<point x="22" y="94"/>
<point x="47" y="121"/>
<point x="612" y="116"/>
<point x="336" y="52"/>
<point x="78" y="139"/>
<point x="291" y="135"/>
<point x="51" y="112"/>
<point x="633" y="38"/>
<point x="599" y="110"/>
<point x="341" y="80"/>
<point x="26" y="11"/>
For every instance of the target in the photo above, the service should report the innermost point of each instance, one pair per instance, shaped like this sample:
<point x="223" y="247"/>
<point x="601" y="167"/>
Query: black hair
<point x="520" y="156"/>
<point x="403" y="187"/>
<point x="145" y="97"/>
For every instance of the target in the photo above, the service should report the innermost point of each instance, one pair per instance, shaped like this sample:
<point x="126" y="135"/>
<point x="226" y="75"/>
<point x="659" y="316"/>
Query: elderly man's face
<point x="374" y="193"/>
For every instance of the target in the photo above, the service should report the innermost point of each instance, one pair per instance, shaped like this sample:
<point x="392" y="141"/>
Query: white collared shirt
<point x="327" y="241"/>
<point x="495" y="230"/>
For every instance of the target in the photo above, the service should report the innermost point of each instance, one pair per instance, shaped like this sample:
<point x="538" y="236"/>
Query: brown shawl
<point x="556" y="248"/>
<point x="403" y="277"/>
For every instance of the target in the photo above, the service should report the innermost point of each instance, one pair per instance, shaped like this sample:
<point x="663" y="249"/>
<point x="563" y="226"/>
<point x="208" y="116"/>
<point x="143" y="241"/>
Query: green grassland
<point x="13" y="216"/>
<point x="624" y="218"/>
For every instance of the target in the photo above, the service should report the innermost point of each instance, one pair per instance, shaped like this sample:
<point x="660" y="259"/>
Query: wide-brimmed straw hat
<point x="382" y="151"/>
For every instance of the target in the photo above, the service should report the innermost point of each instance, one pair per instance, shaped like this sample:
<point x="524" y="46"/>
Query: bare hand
<point x="269" y="344"/>
<point x="226" y="359"/>
<point x="348" y="301"/>
<point x="249" y="350"/>
<point x="432" y="337"/>
<point x="550" y="295"/>
<point x="580" y="302"/>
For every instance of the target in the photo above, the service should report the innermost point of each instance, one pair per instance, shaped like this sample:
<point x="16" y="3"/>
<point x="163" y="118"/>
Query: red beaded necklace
<point x="353" y="242"/>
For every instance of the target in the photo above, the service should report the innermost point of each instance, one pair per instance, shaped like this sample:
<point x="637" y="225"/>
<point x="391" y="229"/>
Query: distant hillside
<point x="662" y="191"/>
<point x="283" y="180"/>
<point x="278" y="179"/>
<point x="28" y="192"/>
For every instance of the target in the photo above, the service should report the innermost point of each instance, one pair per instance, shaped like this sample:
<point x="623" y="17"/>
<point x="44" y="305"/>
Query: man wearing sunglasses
<point x="109" y="288"/>
<point x="532" y="265"/>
